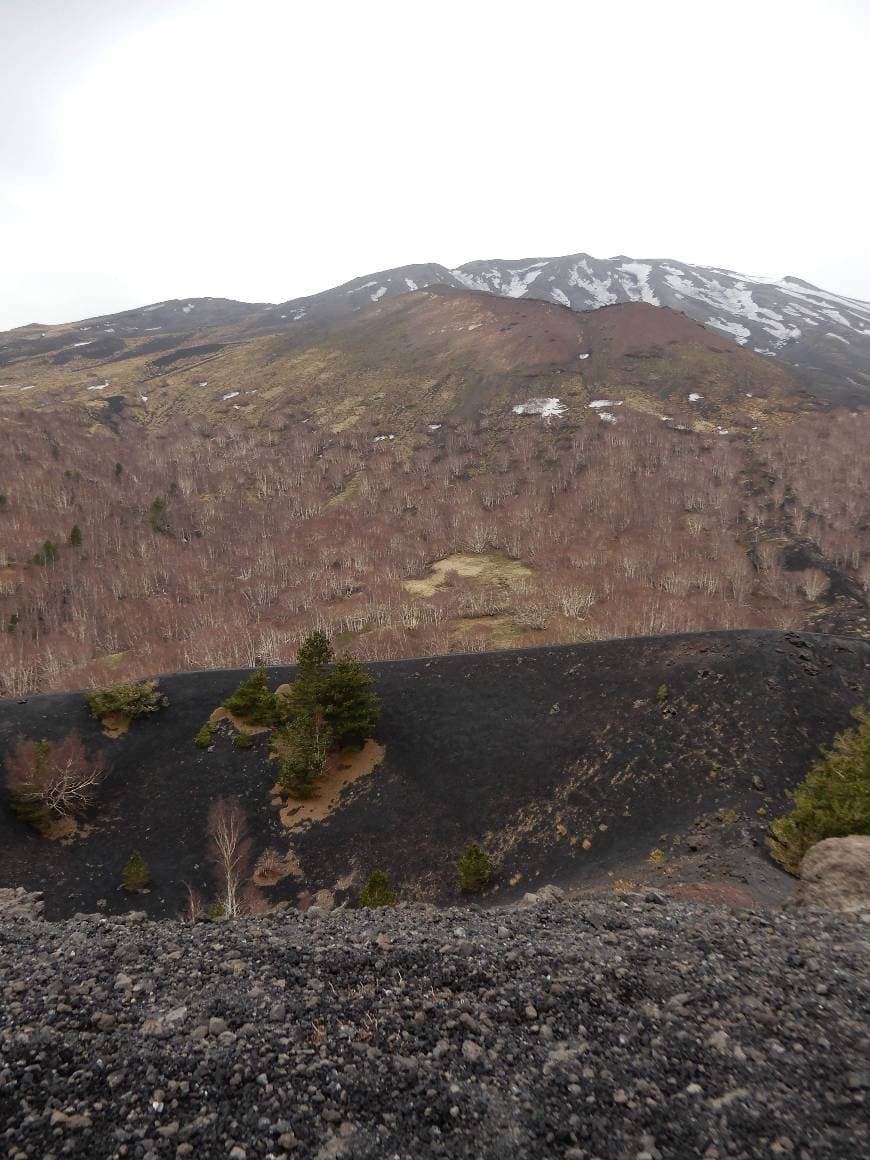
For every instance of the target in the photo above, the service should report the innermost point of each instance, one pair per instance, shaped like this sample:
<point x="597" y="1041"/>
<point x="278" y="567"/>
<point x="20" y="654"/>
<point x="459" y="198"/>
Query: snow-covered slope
<point x="824" y="336"/>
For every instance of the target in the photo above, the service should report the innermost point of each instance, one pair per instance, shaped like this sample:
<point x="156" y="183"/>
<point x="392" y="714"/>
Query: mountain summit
<point x="825" y="337"/>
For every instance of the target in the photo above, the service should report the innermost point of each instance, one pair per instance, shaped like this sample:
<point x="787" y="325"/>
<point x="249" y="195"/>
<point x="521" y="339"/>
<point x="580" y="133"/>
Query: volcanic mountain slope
<point x="419" y="358"/>
<point x="824" y="338"/>
<point x="659" y="760"/>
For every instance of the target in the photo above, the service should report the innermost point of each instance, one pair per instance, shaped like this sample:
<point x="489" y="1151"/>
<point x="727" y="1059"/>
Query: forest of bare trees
<point x="206" y="547"/>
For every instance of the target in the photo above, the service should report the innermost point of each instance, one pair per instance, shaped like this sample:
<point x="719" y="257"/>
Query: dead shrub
<point x="50" y="781"/>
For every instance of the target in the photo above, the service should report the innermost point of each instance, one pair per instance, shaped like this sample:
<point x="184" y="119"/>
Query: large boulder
<point x="835" y="875"/>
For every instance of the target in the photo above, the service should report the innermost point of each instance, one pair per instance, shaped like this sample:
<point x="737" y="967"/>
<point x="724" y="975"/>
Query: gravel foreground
<point x="634" y="1028"/>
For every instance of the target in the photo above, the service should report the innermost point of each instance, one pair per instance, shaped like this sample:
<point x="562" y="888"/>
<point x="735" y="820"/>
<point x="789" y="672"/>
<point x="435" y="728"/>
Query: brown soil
<point x="342" y="770"/>
<point x="115" y="724"/>
<point x="240" y="725"/>
<point x="712" y="893"/>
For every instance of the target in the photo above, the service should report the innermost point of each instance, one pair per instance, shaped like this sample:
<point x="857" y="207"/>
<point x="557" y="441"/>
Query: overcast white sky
<point x="264" y="149"/>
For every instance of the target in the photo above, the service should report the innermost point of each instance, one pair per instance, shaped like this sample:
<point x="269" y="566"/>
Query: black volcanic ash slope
<point x="567" y="763"/>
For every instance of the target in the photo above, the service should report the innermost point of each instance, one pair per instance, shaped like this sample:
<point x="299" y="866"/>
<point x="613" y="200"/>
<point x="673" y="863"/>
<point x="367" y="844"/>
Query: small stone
<point x="216" y="1026"/>
<point x="471" y="1051"/>
<point x="237" y="1153"/>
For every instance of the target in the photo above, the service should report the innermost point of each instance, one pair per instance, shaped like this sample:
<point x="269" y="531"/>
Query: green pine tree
<point x="47" y="554"/>
<point x="832" y="801"/>
<point x="157" y="516"/>
<point x="301" y="747"/>
<point x="474" y="869"/>
<point x="306" y="692"/>
<point x="75" y="536"/>
<point x="135" y="876"/>
<point x="253" y="701"/>
<point x="349" y="705"/>
<point x="378" y="891"/>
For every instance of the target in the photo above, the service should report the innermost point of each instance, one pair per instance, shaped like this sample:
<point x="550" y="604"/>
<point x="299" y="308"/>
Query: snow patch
<point x="378" y="294"/>
<point x="546" y="408"/>
<point x="30" y="388"/>
<point x="597" y="404"/>
<point x="231" y="395"/>
<point x="411" y="284"/>
<point x="89" y="342"/>
<point x="187" y="309"/>
<point x="828" y="334"/>
<point x="144" y="398"/>
<point x="598" y="289"/>
<point x="640" y="290"/>
<point x="695" y="397"/>
<point x="380" y="438"/>
<point x="560" y="296"/>
<point x="435" y="426"/>
<point x="606" y="417"/>
<point x="740" y="333"/>
<point x="99" y="386"/>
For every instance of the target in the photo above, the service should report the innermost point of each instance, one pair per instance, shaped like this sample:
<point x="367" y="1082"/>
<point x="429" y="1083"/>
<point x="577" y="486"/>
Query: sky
<point x="266" y="149"/>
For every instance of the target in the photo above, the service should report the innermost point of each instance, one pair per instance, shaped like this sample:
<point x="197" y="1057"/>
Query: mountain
<point x="421" y="357"/>
<point x="822" y="338"/>
<point x="825" y="337"/>
<point x="659" y="761"/>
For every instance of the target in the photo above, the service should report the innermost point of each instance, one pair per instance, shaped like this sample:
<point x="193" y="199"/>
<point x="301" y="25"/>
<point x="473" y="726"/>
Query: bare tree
<point x="61" y="776"/>
<point x="814" y="582"/>
<point x="229" y="852"/>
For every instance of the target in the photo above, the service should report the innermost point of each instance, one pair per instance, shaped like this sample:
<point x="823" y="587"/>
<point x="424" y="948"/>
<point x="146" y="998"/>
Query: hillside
<point x="820" y="337"/>
<point x="426" y="356"/>
<point x="608" y="1029"/>
<point x="658" y="760"/>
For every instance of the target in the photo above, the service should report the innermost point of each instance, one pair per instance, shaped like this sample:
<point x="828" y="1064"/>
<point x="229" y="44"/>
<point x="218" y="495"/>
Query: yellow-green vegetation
<point x="487" y="567"/>
<point x="474" y="869"/>
<point x="206" y="735"/>
<point x="662" y="694"/>
<point x="658" y="857"/>
<point x="137" y="699"/>
<point x="729" y="817"/>
<point x="32" y="811"/>
<point x="832" y="801"/>
<point x="244" y="739"/>
<point x="378" y="891"/>
<point x="135" y="876"/>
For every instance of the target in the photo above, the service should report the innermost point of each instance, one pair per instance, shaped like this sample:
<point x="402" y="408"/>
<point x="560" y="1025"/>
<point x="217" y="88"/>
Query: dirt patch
<point x="488" y="567"/>
<point x="713" y="893"/>
<point x="342" y="769"/>
<point x="115" y="724"/>
<point x="241" y="726"/>
<point x="62" y="830"/>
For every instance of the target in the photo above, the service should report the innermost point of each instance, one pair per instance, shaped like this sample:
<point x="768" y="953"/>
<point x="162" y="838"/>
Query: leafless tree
<point x="61" y="776"/>
<point x="229" y="852"/>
